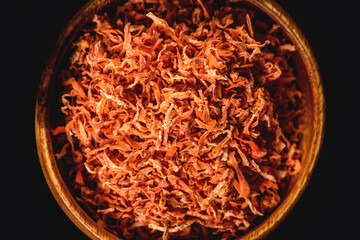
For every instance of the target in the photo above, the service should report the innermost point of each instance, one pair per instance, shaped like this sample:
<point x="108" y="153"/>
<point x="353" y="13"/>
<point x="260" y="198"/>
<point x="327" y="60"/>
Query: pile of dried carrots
<point x="182" y="118"/>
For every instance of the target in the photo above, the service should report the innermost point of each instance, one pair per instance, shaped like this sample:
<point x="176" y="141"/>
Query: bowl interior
<point x="48" y="116"/>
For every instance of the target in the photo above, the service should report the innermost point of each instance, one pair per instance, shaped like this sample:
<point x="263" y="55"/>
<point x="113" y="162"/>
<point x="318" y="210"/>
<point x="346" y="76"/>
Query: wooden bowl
<point x="309" y="82"/>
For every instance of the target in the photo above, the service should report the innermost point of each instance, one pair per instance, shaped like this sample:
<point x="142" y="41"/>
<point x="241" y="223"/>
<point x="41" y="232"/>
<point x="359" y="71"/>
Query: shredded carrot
<point x="182" y="119"/>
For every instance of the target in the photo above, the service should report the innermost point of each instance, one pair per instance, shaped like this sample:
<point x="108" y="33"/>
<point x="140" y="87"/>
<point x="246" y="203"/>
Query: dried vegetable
<point x="182" y="118"/>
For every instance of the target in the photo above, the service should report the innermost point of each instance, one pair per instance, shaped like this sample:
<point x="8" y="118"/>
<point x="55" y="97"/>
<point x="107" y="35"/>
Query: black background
<point x="327" y="207"/>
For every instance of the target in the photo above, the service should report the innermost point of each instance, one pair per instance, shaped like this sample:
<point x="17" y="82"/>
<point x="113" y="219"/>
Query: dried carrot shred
<point x="182" y="119"/>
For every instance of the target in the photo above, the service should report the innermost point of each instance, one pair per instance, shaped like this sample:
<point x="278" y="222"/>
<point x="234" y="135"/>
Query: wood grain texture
<point x="314" y="118"/>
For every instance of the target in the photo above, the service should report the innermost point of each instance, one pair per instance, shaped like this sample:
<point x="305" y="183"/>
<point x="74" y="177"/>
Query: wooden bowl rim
<point x="43" y="136"/>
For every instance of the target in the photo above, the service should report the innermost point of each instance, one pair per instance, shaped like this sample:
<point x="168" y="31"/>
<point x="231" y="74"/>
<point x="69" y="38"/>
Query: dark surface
<point x="324" y="211"/>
